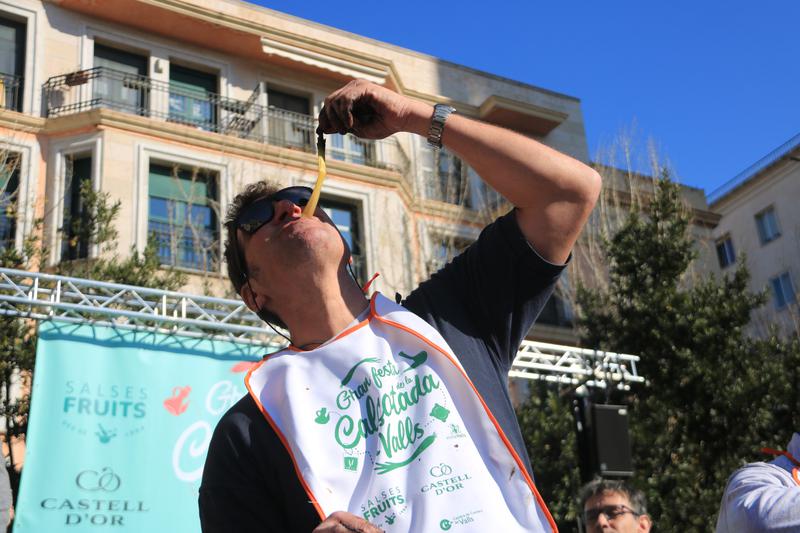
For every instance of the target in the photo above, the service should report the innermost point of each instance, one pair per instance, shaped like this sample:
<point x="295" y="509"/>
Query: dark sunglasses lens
<point x="256" y="215"/>
<point x="297" y="195"/>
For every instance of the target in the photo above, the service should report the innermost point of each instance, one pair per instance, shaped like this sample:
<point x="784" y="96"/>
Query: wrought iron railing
<point x="185" y="246"/>
<point x="103" y="87"/>
<point x="11" y="91"/>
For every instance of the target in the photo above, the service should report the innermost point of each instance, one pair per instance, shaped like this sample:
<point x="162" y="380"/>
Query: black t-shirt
<point x="483" y="303"/>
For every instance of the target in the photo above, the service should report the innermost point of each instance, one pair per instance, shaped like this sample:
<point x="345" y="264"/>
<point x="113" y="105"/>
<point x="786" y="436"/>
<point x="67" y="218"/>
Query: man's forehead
<point x="607" y="497"/>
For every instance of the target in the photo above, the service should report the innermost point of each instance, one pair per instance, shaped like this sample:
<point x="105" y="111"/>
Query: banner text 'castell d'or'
<point x="119" y="427"/>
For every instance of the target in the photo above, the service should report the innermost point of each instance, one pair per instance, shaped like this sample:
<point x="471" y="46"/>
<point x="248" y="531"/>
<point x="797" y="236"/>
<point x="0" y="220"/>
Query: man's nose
<point x="285" y="209"/>
<point x="602" y="521"/>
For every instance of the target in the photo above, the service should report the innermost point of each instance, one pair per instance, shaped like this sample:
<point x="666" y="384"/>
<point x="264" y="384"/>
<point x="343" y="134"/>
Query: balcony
<point x="102" y="87"/>
<point x="10" y="92"/>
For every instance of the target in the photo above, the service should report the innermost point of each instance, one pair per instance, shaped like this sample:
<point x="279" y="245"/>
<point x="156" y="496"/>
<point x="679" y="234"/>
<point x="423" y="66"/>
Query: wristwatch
<point x="440" y="114"/>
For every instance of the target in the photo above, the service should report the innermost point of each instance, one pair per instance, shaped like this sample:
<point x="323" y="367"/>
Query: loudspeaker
<point x="604" y="445"/>
<point x="612" y="442"/>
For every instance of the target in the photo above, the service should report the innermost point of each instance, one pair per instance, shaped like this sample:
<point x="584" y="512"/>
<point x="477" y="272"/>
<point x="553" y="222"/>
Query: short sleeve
<point x="494" y="290"/>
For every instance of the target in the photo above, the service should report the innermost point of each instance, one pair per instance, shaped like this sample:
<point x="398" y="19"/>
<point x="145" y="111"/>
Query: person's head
<point x="274" y="256"/>
<point x="610" y="506"/>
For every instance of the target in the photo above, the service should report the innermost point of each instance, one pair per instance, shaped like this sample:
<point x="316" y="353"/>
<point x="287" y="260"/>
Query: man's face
<point x="625" y="522"/>
<point x="289" y="252"/>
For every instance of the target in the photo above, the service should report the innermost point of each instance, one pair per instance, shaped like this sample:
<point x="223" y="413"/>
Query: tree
<point x="713" y="396"/>
<point x="549" y="432"/>
<point x="710" y="400"/>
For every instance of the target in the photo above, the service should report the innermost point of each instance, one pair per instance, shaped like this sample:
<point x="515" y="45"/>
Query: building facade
<point x="172" y="107"/>
<point x="760" y="224"/>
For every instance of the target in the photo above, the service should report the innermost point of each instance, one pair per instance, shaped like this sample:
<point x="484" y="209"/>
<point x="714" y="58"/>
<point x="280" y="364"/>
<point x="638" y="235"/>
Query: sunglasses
<point x="610" y="511"/>
<point x="262" y="210"/>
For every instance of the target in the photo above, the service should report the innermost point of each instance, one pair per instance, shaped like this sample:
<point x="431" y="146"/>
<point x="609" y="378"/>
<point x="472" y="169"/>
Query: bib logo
<point x="388" y="393"/>
<point x="386" y="505"/>
<point x="104" y="410"/>
<point x="100" y="504"/>
<point x="445" y="482"/>
<point x="177" y="403"/>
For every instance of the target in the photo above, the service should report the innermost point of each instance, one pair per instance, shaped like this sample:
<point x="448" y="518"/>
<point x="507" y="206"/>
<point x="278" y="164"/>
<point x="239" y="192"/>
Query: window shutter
<point x="167" y="183"/>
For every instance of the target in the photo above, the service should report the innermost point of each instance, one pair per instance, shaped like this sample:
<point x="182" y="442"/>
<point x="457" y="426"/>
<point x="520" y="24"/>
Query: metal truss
<point x="41" y="296"/>
<point x="575" y="366"/>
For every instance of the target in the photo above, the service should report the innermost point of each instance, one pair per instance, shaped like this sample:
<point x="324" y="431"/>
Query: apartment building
<point x="171" y="107"/>
<point x="761" y="222"/>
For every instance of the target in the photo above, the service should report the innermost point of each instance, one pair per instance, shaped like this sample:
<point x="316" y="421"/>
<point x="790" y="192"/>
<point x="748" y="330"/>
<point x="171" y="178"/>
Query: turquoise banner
<point x="119" y="427"/>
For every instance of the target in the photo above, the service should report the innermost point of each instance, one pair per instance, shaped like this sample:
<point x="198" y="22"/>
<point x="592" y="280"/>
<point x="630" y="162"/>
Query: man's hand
<point x="370" y="111"/>
<point x="341" y="522"/>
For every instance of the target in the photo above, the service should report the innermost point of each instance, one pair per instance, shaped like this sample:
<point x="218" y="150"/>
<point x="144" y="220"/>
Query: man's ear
<point x="645" y="524"/>
<point x="249" y="298"/>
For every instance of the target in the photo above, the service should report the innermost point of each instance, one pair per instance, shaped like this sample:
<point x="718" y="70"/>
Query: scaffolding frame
<point x="42" y="296"/>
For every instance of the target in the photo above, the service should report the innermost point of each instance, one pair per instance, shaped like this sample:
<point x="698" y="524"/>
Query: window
<point x="182" y="216"/>
<point x="12" y="63"/>
<point x="192" y="97"/>
<point x="767" y="225"/>
<point x="9" y="185"/>
<point x="352" y="149"/>
<point x="288" y="102"/>
<point x="783" y="289"/>
<point x="445" y="177"/>
<point x="289" y="121"/>
<point x="346" y="218"/>
<point x="75" y="228"/>
<point x="725" y="252"/>
<point x="122" y="84"/>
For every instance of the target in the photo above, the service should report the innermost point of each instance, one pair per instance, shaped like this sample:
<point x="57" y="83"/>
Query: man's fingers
<point x="329" y="121"/>
<point x="342" y="522"/>
<point x="363" y="109"/>
<point x="324" y="123"/>
<point x="342" y="108"/>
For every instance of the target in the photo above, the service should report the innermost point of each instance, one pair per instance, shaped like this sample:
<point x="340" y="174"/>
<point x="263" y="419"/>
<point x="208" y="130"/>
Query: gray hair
<point x="599" y="486"/>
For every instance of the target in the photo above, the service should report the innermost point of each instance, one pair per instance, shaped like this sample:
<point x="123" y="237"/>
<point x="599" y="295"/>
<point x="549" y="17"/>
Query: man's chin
<point x="312" y="246"/>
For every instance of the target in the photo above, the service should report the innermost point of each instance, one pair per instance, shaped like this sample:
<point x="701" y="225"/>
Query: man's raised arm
<point x="554" y="193"/>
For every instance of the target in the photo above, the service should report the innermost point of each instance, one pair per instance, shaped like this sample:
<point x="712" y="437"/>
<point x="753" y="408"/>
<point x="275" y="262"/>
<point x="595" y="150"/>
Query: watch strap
<point x="440" y="114"/>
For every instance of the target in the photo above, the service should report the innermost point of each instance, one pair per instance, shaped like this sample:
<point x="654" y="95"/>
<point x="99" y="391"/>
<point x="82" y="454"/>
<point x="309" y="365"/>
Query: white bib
<point x="384" y="423"/>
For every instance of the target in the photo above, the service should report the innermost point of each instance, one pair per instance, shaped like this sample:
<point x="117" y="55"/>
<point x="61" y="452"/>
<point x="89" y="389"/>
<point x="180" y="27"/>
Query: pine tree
<point x="548" y="429"/>
<point x="713" y="396"/>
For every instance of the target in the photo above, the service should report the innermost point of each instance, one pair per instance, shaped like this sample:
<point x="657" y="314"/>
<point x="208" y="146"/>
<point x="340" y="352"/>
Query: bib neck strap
<point x="771" y="451"/>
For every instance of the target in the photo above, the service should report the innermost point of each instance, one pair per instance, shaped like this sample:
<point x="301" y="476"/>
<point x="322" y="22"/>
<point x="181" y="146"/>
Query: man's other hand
<point x="370" y="111"/>
<point x="341" y="522"/>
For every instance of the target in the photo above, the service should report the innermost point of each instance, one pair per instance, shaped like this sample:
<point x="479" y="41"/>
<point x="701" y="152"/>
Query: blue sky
<point x="713" y="84"/>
